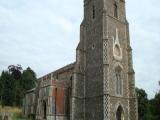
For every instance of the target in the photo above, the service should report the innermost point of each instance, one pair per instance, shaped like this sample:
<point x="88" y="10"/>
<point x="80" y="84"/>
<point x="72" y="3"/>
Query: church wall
<point x="94" y="56"/>
<point x="121" y="25"/>
<point x="28" y="103"/>
<point x="64" y="76"/>
<point x="47" y="93"/>
<point x="112" y="24"/>
<point x="115" y="100"/>
<point x="115" y="103"/>
<point x="109" y="7"/>
<point x="127" y="98"/>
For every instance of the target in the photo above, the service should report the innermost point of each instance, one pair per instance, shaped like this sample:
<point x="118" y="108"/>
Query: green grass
<point x="15" y="111"/>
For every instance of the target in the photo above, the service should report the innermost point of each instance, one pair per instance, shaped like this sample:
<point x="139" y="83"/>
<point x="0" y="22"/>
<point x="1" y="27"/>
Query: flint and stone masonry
<point x="100" y="85"/>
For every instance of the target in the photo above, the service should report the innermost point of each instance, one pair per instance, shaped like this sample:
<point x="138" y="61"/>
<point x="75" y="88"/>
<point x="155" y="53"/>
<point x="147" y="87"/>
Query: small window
<point x="93" y="12"/>
<point x="115" y="10"/>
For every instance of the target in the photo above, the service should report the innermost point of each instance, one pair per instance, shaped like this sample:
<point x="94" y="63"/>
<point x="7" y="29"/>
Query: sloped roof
<point x="65" y="68"/>
<point x="61" y="70"/>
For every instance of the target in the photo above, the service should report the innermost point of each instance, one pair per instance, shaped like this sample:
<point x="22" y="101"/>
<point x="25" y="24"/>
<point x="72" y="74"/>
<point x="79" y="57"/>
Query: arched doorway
<point x="120" y="113"/>
<point x="44" y="110"/>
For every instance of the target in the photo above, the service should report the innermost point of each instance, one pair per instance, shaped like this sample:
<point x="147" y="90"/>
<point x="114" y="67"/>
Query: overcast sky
<point x="43" y="34"/>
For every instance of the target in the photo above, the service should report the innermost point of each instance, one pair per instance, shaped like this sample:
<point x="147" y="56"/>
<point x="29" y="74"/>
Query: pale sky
<point x="43" y="34"/>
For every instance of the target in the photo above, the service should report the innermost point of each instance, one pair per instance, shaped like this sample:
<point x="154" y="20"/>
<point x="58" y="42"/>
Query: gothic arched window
<point x="118" y="81"/>
<point x="115" y="10"/>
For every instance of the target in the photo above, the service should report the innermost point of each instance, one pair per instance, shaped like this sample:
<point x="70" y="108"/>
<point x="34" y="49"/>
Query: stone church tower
<point x="103" y="85"/>
<point x="100" y="85"/>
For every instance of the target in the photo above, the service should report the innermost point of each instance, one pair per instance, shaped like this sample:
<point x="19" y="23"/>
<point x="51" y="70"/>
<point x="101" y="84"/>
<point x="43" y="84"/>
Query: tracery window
<point x="118" y="81"/>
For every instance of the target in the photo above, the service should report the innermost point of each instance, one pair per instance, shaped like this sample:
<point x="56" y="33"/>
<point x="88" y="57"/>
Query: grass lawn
<point x="14" y="112"/>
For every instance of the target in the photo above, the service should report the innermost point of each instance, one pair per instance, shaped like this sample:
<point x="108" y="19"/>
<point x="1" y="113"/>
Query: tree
<point x="14" y="83"/>
<point x="15" y="71"/>
<point x="7" y="88"/>
<point x="155" y="107"/>
<point x="143" y="110"/>
<point x="156" y="104"/>
<point x="29" y="79"/>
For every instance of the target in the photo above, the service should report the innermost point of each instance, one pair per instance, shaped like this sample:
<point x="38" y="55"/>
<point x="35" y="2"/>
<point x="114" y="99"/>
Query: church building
<point x="100" y="84"/>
